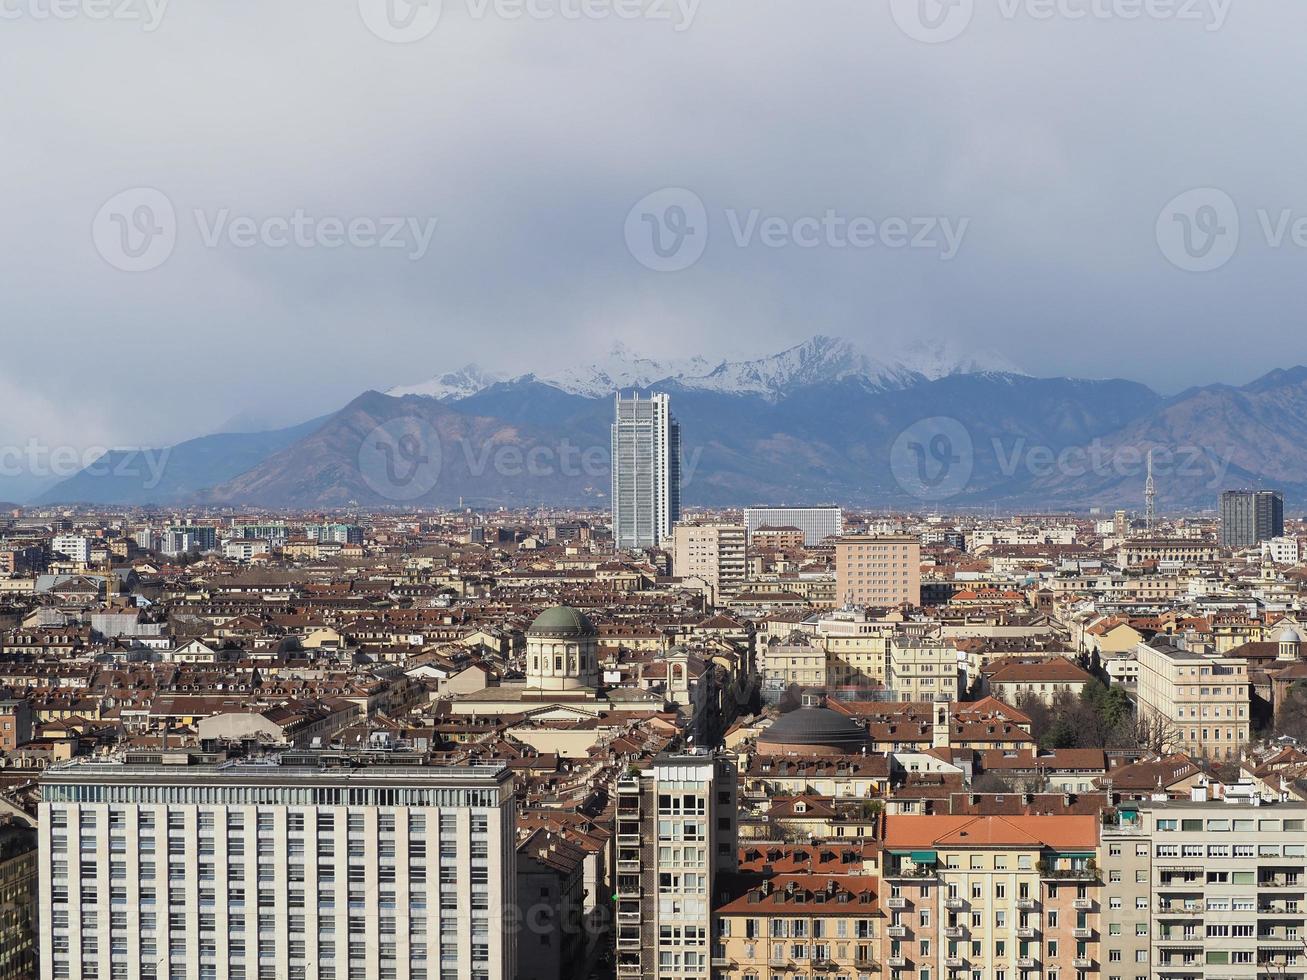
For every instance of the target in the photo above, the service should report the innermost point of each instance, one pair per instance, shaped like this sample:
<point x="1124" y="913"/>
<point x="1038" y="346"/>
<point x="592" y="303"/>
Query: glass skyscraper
<point x="646" y="459"/>
<point x="1249" y="517"/>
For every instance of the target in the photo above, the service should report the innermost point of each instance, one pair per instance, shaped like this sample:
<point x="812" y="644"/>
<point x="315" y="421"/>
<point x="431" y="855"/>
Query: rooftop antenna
<point x="1150" y="497"/>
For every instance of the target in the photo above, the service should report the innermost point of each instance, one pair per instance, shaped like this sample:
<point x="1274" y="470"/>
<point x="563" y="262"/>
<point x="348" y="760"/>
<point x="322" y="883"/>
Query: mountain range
<point x="928" y="427"/>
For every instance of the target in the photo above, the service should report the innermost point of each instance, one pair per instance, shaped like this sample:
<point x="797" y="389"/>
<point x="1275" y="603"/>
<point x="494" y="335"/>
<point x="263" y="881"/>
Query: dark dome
<point x="816" y="726"/>
<point x="562" y="621"/>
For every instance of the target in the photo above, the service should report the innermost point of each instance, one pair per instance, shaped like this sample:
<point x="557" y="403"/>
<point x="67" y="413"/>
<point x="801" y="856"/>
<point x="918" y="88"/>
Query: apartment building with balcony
<point x="676" y="833"/>
<point x="991" y="898"/>
<point x="307" y="866"/>
<point x="1224" y="885"/>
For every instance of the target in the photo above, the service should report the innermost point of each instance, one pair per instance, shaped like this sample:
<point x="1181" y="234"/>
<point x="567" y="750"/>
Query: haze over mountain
<point x="823" y="421"/>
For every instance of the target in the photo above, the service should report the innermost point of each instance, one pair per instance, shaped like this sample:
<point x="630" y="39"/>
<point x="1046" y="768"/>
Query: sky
<point x="244" y="213"/>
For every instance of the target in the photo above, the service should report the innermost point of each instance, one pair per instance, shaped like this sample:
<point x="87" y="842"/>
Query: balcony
<point x="954" y="903"/>
<point x="897" y="932"/>
<point x="1027" y="933"/>
<point x="1083" y="904"/>
<point x="897" y="962"/>
<point x="896" y="903"/>
<point x="955" y="932"/>
<point x="723" y="961"/>
<point x="1083" y="933"/>
<point x="1026" y="904"/>
<point x="1026" y="963"/>
<point x="1083" y="963"/>
<point x="955" y="962"/>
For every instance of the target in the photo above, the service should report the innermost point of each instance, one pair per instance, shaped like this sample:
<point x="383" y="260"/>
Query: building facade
<point x="676" y="833"/>
<point x="1202" y="700"/>
<point x="816" y="523"/>
<point x="1249" y="517"/>
<point x="714" y="552"/>
<point x="646" y="466"/>
<point x="18" y="896"/>
<point x="305" y="866"/>
<point x="878" y="571"/>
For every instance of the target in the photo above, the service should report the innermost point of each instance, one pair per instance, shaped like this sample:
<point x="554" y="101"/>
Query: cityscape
<point x="652" y="741"/>
<point x="653" y="490"/>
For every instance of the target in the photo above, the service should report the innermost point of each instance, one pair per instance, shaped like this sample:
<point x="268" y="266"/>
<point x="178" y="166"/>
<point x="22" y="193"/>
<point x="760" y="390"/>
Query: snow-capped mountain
<point x="451" y="386"/>
<point x="821" y="359"/>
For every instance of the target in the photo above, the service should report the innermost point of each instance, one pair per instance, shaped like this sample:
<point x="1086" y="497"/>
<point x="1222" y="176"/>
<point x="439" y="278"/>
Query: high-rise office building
<point x="646" y="459"/>
<point x="676" y="832"/>
<point x="816" y="523"/>
<point x="306" y="866"/>
<point x="1249" y="517"/>
<point x="17" y="900"/>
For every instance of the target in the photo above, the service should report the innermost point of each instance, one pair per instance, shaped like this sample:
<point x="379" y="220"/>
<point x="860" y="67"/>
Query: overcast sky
<point x="1051" y="147"/>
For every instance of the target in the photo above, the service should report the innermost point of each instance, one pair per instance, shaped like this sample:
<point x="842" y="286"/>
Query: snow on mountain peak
<point x="821" y="359"/>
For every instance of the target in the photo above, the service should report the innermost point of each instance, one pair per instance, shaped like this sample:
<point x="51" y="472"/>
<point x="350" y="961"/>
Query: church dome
<point x="1289" y="635"/>
<point x="814" y="728"/>
<point x="562" y="621"/>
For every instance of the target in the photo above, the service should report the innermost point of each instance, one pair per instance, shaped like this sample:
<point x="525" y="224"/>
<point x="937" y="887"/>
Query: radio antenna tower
<point x="1150" y="497"/>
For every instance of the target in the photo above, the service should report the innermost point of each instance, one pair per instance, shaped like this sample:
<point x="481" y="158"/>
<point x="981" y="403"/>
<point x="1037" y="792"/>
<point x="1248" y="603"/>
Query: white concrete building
<point x="301" y="867"/>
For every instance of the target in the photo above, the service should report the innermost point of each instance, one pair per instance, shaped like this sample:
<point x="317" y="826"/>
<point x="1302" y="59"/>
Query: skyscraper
<point x="1249" y="517"/>
<point x="646" y="453"/>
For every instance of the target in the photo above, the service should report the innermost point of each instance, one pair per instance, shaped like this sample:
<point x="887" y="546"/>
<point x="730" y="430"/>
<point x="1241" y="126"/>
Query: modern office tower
<point x="1206" y="889"/>
<point x="1249" y="517"/>
<point x="646" y="451"/>
<point x="713" y="552"/>
<point x="676" y="832"/>
<point x="306" y="866"/>
<point x="1201" y="699"/>
<point x="816" y="523"/>
<point x="992" y="896"/>
<point x="878" y="571"/>
<point x="17" y="900"/>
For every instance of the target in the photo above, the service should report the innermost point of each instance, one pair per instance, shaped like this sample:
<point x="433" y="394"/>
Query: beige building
<point x="1016" y="897"/>
<point x="878" y="571"/>
<point x="800" y="925"/>
<point x="1204" y="699"/>
<point x="923" y="668"/>
<point x="712" y="552"/>
<point x="783" y="665"/>
<point x="857" y="648"/>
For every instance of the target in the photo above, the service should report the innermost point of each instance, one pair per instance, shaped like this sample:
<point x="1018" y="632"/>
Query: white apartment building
<point x="72" y="546"/>
<point x="922" y="668"/>
<point x="1282" y="550"/>
<point x="299" y="867"/>
<point x="676" y="832"/>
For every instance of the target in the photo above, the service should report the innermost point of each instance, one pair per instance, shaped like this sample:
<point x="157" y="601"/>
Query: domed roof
<point x="815" y="726"/>
<point x="1289" y="635"/>
<point x="562" y="621"/>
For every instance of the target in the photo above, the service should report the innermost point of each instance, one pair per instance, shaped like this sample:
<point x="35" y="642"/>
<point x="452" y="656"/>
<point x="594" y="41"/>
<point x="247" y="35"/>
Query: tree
<point x="991" y="782"/>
